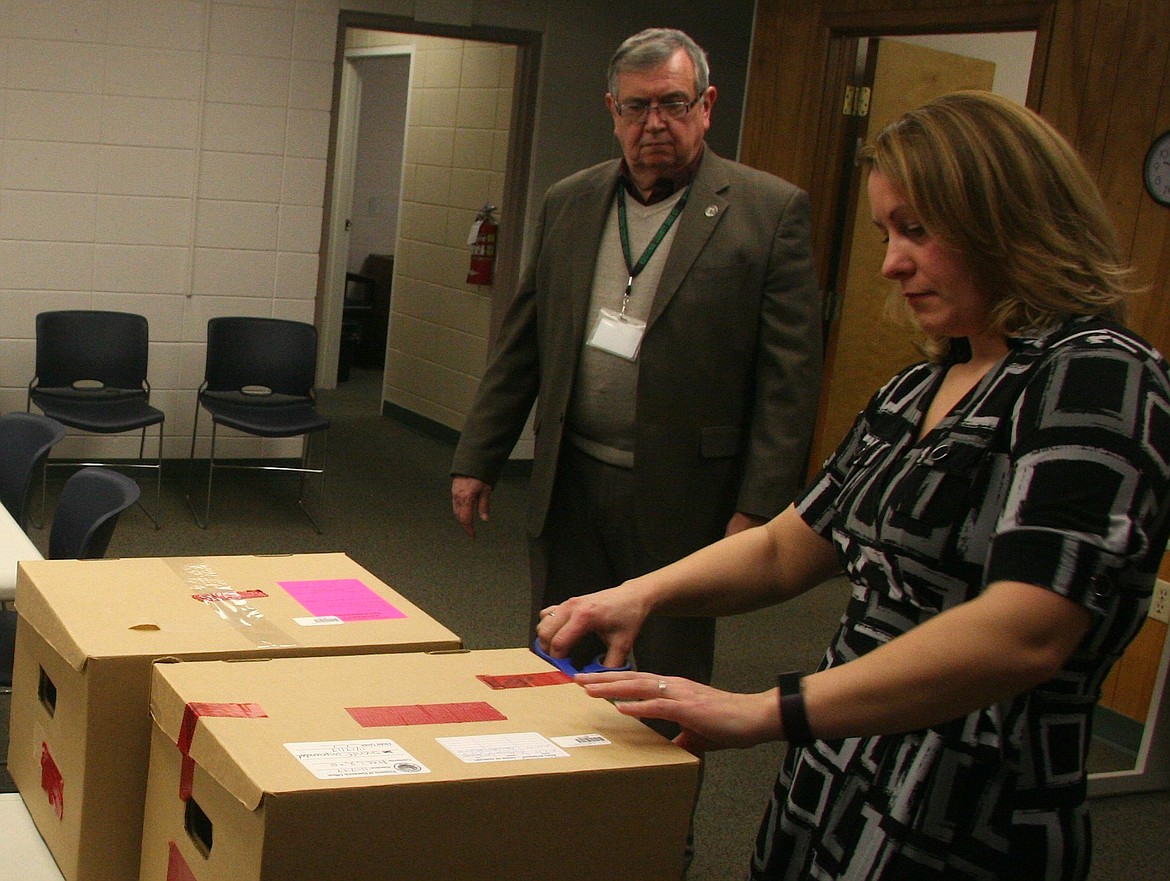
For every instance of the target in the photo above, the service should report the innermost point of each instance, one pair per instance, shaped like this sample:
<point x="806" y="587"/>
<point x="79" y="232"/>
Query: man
<point x="668" y="328"/>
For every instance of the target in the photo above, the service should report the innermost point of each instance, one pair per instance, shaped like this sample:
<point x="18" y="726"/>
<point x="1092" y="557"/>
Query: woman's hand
<point x="615" y="615"/>
<point x="749" y="570"/>
<point x="710" y="718"/>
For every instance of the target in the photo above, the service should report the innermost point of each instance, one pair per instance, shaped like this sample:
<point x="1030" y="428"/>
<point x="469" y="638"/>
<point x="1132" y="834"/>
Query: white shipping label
<point x="502" y="747"/>
<point x="335" y="759"/>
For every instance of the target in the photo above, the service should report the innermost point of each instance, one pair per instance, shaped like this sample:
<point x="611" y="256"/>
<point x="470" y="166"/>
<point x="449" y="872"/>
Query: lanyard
<point x="623" y="227"/>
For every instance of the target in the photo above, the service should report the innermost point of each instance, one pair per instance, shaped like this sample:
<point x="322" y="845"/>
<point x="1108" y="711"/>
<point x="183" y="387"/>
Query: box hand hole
<point x="47" y="693"/>
<point x="198" y="826"/>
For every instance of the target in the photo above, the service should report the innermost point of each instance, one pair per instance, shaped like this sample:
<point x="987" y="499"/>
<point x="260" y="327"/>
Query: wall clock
<point x="1157" y="169"/>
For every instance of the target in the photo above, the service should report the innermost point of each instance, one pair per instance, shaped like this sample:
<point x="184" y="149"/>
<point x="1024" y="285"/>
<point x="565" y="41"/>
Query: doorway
<point x="462" y="105"/>
<point x="379" y="78"/>
<point x="866" y="343"/>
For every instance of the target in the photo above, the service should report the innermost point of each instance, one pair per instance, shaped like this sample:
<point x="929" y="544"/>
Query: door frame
<point x="336" y="246"/>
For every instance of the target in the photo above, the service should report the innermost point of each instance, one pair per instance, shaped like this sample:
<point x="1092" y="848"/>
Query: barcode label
<point x="318" y="621"/>
<point x="581" y="740"/>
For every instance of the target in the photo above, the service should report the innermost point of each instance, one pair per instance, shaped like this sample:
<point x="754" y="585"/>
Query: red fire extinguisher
<point x="482" y="241"/>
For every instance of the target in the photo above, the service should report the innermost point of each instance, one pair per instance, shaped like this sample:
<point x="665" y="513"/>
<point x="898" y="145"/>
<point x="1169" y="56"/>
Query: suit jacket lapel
<point x="592" y="206"/>
<point x="704" y="211"/>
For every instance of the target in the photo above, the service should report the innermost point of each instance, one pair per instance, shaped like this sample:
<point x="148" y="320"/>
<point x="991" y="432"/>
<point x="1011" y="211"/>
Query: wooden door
<point x="869" y="341"/>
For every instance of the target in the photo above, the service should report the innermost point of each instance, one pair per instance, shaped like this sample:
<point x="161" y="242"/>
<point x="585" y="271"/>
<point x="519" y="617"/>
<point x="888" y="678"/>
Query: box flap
<point x="217" y="607"/>
<point x="184" y="723"/>
<point x="32" y="605"/>
<point x="437" y="712"/>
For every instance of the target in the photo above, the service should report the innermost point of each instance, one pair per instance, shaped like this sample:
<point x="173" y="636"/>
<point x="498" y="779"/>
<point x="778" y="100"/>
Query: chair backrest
<point x="270" y="353"/>
<point x="87" y="513"/>
<point x="92" y="345"/>
<point x="25" y="441"/>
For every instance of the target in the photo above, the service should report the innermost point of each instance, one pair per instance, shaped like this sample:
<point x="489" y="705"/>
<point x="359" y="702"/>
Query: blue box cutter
<point x="565" y="665"/>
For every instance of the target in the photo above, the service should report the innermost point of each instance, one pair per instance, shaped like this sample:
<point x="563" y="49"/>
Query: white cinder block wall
<point x="168" y="157"/>
<point x="165" y="157"/>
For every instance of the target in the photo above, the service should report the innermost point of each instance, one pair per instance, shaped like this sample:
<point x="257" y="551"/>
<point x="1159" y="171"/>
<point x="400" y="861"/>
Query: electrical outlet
<point x="1160" y="604"/>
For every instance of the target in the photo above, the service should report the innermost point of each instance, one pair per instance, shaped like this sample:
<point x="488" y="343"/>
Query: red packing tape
<point x="425" y="714"/>
<point x="177" y="868"/>
<point x="191" y="714"/>
<point x="52" y="781"/>
<point x="525" y="680"/>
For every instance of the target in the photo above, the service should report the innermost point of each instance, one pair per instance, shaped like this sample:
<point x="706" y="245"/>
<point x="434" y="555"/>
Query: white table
<point x="14" y="547"/>
<point x="23" y="854"/>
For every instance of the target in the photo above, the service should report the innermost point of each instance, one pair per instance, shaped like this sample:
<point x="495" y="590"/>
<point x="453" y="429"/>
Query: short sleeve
<point x="888" y="418"/>
<point x="1090" y="470"/>
<point x="817" y="503"/>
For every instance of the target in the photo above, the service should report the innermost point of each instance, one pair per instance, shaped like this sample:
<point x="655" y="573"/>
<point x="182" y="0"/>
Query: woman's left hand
<point x="710" y="719"/>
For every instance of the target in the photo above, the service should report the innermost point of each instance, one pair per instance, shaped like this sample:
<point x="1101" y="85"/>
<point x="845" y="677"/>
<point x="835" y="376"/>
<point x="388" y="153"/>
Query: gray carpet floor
<point x="388" y="507"/>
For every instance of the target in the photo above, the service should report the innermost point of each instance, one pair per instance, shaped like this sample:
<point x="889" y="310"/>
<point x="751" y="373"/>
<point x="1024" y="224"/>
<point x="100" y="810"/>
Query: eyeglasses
<point x="639" y="111"/>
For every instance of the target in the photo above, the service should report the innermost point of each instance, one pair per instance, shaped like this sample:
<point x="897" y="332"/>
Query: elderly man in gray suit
<point x="668" y="329"/>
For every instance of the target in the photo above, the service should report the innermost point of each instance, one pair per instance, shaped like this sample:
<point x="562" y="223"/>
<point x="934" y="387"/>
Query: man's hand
<point x="469" y="497"/>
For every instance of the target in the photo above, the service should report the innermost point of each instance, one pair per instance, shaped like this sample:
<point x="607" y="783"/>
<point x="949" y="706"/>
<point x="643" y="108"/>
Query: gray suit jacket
<point x="729" y="366"/>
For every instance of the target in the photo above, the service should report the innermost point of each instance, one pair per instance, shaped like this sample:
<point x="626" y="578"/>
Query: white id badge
<point x="618" y="334"/>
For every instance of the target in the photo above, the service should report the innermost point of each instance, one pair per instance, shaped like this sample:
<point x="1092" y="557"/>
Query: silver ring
<point x="662" y="688"/>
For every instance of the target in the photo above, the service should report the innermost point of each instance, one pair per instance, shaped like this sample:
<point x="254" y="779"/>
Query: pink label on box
<point x="344" y="598"/>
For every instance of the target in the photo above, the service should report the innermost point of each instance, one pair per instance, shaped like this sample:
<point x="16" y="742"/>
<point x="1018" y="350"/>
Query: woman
<point x="1001" y="510"/>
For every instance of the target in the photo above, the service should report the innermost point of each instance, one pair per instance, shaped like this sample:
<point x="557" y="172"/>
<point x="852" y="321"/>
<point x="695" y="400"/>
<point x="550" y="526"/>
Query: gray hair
<point x="652" y="47"/>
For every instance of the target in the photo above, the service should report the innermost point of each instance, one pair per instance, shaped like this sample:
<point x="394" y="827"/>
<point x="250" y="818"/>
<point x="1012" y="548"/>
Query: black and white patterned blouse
<point x="1054" y="470"/>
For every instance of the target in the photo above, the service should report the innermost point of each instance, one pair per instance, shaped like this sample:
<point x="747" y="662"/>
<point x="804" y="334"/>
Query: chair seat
<point x="100" y="413"/>
<point x="268" y="419"/>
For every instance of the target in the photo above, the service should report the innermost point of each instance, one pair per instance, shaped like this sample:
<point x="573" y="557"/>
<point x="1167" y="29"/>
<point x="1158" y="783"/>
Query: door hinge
<point x="856" y="101"/>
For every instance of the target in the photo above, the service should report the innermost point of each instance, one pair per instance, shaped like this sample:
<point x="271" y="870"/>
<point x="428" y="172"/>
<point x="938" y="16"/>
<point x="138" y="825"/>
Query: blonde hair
<point x="1000" y="185"/>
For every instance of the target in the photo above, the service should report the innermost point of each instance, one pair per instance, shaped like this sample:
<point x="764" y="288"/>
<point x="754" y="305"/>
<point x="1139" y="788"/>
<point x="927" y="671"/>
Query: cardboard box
<point x="465" y="766"/>
<point x="88" y="633"/>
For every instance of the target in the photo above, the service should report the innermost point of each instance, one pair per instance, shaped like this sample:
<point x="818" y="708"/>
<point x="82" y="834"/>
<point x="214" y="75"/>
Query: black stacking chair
<point x="91" y="376"/>
<point x="25" y="439"/>
<point x="258" y="380"/>
<point x="87" y="512"/>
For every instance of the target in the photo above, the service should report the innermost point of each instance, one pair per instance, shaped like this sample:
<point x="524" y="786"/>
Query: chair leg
<point x="210" y="476"/>
<point x="305" y="470"/>
<point x="158" y="476"/>
<point x="201" y="523"/>
<point x="156" y="517"/>
<point x="39" y="523"/>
